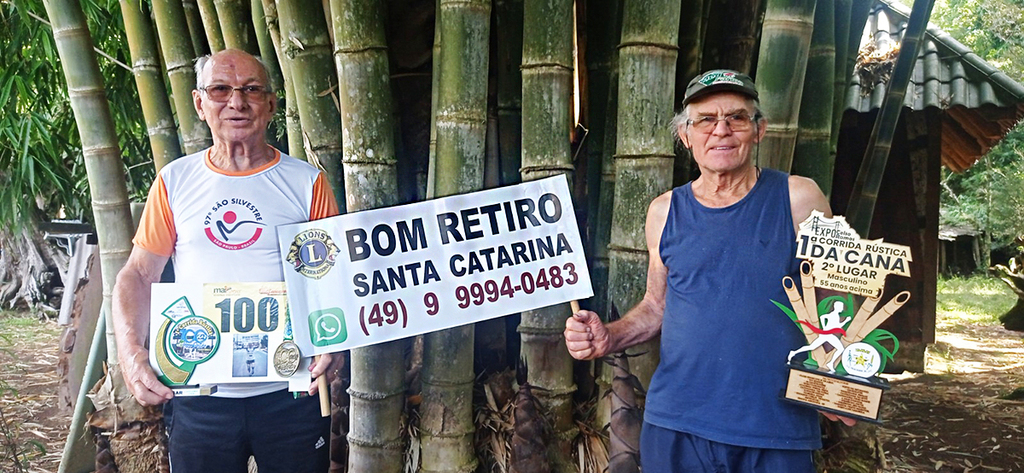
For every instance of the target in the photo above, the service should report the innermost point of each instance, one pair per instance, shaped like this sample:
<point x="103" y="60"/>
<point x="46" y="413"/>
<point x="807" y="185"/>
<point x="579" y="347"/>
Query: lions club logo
<point x="234" y="224"/>
<point x="312" y="253"/>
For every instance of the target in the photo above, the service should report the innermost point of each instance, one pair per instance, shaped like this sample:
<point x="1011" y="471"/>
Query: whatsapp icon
<point x="327" y="327"/>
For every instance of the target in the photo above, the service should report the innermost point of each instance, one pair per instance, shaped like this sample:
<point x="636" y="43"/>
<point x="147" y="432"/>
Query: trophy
<point x="836" y="371"/>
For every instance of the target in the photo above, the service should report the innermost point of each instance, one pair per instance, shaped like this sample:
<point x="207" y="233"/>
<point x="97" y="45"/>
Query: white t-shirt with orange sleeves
<point x="220" y="226"/>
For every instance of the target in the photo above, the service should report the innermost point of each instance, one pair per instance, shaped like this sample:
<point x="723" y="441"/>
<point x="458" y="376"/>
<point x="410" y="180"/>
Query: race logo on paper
<point x="313" y="253"/>
<point x="327" y="327"/>
<point x="233" y="224"/>
<point x="193" y="339"/>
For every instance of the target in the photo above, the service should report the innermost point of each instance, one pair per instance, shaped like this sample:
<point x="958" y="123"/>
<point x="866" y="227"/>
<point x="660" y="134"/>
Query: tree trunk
<point x="785" y="40"/>
<point x="547" y="91"/>
<point x="306" y="43"/>
<point x="149" y="79"/>
<point x="179" y="55"/>
<point x="446" y="423"/>
<point x="378" y="372"/>
<point x="28" y="268"/>
<point x="211" y="24"/>
<point x="643" y="153"/>
<point x="811" y="157"/>
<point x="1013" y="319"/>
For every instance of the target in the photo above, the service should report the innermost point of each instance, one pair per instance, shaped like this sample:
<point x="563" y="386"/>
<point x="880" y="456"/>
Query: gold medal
<point x="286" y="358"/>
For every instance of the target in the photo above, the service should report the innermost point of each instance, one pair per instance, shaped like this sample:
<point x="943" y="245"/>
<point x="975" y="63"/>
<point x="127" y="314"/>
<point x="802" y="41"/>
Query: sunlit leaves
<point x="41" y="169"/>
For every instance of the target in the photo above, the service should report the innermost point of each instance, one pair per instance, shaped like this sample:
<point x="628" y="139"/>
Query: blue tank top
<point x="723" y="343"/>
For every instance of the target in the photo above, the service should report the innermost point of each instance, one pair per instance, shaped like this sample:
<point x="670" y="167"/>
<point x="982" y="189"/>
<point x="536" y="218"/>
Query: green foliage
<point x="42" y="174"/>
<point x="987" y="196"/>
<point x="991" y="28"/>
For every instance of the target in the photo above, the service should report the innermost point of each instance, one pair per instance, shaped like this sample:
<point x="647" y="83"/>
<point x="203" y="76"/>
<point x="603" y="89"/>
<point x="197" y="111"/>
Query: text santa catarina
<point x="379" y="275"/>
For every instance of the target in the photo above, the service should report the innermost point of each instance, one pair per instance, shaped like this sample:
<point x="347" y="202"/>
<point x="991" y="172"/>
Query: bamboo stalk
<point x="644" y="152"/>
<point x="688" y="65"/>
<point x="867" y="308"/>
<point x="149" y="79"/>
<point x="235" y="19"/>
<point x="268" y="52"/>
<point x="211" y="24"/>
<point x="195" y="27"/>
<point x="509" y="21"/>
<point x="179" y="55"/>
<point x="734" y="26"/>
<point x="547" y="73"/>
<point x="306" y="43"/>
<point x="604" y="22"/>
<point x="446" y="425"/>
<point x="797" y="303"/>
<point x="810" y="298"/>
<point x="100" y="149"/>
<point x="435" y="77"/>
<point x="857" y="333"/>
<point x="861" y="208"/>
<point x="291" y="111"/>
<point x="369" y="164"/>
<point x="811" y="157"/>
<point x="782" y="60"/>
<point x="842" y="79"/>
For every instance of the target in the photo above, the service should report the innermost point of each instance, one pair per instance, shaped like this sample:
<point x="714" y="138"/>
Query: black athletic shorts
<point x="215" y="434"/>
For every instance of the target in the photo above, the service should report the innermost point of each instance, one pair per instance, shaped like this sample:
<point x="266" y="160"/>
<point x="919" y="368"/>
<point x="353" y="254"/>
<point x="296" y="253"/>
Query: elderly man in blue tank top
<point x="719" y="247"/>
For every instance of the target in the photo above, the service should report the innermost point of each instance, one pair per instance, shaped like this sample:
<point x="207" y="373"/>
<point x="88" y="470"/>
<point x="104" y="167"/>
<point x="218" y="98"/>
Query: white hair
<point x="200" y="64"/>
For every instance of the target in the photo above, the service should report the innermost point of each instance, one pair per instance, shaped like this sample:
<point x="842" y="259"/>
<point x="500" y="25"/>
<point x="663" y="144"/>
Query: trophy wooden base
<point x="850" y="396"/>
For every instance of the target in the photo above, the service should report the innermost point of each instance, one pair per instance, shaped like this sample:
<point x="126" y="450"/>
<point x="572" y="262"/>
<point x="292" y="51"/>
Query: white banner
<point x="384" y="274"/>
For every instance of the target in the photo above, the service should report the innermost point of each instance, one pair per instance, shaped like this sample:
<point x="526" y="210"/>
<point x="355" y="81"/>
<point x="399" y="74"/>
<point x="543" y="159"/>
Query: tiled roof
<point x="981" y="102"/>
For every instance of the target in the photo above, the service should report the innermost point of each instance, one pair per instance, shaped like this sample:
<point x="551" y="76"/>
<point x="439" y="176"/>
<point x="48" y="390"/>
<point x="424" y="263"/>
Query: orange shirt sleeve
<point x="156" y="232"/>
<point x="323" y="204"/>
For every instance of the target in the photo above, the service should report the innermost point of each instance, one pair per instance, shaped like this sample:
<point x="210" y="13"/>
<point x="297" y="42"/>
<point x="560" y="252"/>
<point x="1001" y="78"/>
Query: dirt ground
<point x="949" y="419"/>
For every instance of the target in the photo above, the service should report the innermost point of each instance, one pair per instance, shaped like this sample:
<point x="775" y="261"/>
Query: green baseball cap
<point x="719" y="80"/>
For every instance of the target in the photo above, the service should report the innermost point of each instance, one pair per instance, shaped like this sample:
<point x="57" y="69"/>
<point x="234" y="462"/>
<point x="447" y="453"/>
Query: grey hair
<point x="200" y="64"/>
<point x="680" y="119"/>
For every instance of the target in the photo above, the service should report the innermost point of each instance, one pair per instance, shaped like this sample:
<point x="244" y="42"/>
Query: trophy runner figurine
<point x="836" y="371"/>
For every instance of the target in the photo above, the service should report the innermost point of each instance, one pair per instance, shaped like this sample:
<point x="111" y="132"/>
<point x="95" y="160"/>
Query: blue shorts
<point x="217" y="434"/>
<point x="668" y="451"/>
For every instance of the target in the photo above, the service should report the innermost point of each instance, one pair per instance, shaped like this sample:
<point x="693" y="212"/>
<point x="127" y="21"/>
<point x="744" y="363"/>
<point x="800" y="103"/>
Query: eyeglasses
<point x="222" y="93"/>
<point x="735" y="122"/>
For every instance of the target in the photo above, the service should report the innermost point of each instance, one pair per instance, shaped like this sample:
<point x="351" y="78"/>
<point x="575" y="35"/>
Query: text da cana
<point x="854" y="257"/>
<point x="453" y="227"/>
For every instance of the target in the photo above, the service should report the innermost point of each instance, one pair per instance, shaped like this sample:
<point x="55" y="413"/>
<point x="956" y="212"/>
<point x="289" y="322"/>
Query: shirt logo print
<point x="234" y="224"/>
